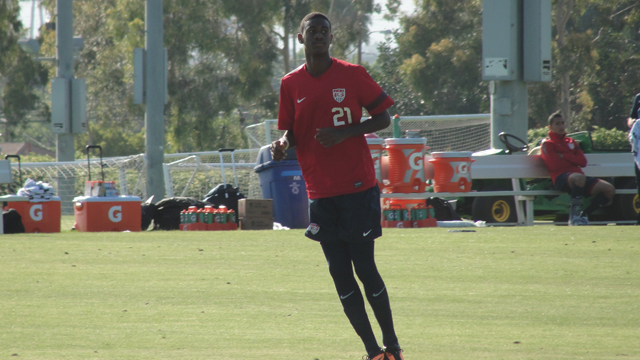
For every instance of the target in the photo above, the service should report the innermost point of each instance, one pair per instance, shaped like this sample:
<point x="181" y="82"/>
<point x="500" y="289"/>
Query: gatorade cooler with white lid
<point x="406" y="169"/>
<point x="452" y="171"/>
<point x="38" y="217"/>
<point x="116" y="213"/>
<point x="376" y="145"/>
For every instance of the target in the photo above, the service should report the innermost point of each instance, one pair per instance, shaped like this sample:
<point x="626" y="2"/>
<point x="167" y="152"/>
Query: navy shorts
<point x="562" y="183"/>
<point x="351" y="217"/>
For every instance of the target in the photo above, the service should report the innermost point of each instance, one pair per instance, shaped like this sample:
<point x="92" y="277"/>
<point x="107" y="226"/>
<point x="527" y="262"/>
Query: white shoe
<point x="578" y="221"/>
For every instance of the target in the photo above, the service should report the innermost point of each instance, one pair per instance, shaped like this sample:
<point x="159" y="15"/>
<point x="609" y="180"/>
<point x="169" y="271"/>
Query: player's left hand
<point x="330" y="136"/>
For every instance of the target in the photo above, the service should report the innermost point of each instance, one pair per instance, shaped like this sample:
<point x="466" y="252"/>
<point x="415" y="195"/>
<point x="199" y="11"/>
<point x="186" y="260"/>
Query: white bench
<point x="521" y="166"/>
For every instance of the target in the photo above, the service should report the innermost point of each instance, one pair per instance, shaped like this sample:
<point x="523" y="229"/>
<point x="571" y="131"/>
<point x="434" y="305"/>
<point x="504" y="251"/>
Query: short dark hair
<point x="554" y="115"/>
<point x="311" y="16"/>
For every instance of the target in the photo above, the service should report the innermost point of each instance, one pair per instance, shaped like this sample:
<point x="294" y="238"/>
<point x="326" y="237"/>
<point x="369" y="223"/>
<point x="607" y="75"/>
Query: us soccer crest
<point x="339" y="94"/>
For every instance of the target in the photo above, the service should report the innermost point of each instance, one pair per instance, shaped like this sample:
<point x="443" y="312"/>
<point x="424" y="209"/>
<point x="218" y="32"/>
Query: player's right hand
<point x="278" y="150"/>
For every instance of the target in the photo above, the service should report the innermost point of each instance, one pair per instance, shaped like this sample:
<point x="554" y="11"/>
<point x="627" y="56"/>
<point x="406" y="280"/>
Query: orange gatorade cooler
<point x="452" y="171"/>
<point x="406" y="169"/>
<point x="115" y="213"/>
<point x="38" y="217"/>
<point x="376" y="145"/>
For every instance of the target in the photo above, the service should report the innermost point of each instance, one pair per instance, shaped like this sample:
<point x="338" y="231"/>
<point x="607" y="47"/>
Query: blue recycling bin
<point x="282" y="182"/>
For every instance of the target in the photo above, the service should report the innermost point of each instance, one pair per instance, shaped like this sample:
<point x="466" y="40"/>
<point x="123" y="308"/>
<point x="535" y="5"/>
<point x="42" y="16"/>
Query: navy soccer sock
<point x="353" y="305"/>
<point x="382" y="309"/>
<point x="577" y="192"/>
<point x="599" y="201"/>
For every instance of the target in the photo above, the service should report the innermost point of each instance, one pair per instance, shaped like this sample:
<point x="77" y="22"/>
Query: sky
<point x="379" y="24"/>
<point x="25" y="15"/>
<point x="369" y="49"/>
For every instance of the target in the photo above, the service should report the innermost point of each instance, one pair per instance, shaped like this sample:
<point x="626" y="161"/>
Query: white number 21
<point x="339" y="113"/>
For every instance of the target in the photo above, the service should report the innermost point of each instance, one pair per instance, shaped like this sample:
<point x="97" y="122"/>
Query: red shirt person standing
<point x="321" y="109"/>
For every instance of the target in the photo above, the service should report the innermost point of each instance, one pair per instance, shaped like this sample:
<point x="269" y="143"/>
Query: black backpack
<point x="167" y="212"/>
<point x="225" y="194"/>
<point x="12" y="222"/>
<point x="443" y="209"/>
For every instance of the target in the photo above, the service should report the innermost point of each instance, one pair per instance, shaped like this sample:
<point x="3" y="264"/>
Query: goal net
<point x="447" y="132"/>
<point x="68" y="178"/>
<point x="443" y="132"/>
<point x="195" y="174"/>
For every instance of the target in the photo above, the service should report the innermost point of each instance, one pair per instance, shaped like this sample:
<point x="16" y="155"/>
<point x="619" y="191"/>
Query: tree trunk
<point x="285" y="49"/>
<point x="563" y="12"/>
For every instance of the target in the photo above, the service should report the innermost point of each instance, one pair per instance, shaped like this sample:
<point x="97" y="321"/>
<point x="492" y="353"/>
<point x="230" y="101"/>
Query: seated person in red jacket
<point x="564" y="159"/>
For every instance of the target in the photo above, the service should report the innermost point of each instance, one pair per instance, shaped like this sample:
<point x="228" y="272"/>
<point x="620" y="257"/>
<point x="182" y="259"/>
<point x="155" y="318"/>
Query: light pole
<point x="360" y="40"/>
<point x="68" y="96"/>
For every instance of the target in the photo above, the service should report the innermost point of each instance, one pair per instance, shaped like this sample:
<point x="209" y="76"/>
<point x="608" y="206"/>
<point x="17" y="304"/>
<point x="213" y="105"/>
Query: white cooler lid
<point x="375" y="141"/>
<point x="120" y="198"/>
<point x="451" y="154"/>
<point x="406" y="141"/>
<point x="10" y="198"/>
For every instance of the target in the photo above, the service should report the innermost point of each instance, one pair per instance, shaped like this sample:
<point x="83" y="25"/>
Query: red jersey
<point x="333" y="99"/>
<point x="572" y="159"/>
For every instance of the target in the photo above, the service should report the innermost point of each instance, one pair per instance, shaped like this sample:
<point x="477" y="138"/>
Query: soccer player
<point x="564" y="159"/>
<point x="320" y="108"/>
<point x="634" y="139"/>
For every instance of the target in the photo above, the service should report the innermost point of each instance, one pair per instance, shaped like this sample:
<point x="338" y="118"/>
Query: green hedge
<point x="603" y="139"/>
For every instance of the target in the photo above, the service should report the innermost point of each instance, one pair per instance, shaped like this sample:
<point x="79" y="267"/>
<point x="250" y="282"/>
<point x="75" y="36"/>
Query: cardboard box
<point x="255" y="208"/>
<point x="256" y="223"/>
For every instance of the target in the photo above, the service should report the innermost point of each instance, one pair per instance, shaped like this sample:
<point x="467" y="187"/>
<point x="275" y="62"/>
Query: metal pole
<point x="64" y="55"/>
<point x="65" y="145"/>
<point x="154" y="115"/>
<point x="509" y="104"/>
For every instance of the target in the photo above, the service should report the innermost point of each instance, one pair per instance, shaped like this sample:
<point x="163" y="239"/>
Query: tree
<point x="20" y="76"/>
<point x="441" y="50"/>
<point x="224" y="65"/>
<point x="595" y="64"/>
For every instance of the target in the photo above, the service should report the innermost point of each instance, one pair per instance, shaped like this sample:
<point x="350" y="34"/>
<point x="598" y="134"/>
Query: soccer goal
<point x="68" y="177"/>
<point x="443" y="132"/>
<point x="195" y="174"/>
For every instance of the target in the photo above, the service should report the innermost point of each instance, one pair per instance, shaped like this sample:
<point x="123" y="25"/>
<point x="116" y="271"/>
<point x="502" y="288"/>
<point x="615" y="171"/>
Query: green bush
<point x="534" y="136"/>
<point x="613" y="139"/>
<point x="603" y="139"/>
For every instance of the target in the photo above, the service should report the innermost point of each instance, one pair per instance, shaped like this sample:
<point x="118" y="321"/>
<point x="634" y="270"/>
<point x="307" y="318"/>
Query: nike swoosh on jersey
<point x="301" y="100"/>
<point x="346" y="296"/>
<point x="366" y="233"/>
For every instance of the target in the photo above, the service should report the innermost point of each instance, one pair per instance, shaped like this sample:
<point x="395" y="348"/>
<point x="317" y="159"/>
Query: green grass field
<point x="543" y="292"/>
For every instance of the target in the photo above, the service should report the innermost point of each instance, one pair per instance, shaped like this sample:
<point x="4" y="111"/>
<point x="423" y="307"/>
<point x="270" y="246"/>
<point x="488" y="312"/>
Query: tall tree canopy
<point x="595" y="62"/>
<point x="20" y="76"/>
<point x="226" y="58"/>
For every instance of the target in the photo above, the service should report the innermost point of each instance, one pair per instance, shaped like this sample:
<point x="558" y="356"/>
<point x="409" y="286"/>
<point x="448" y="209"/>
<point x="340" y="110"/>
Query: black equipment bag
<point x="12" y="222"/>
<point x="226" y="194"/>
<point x="167" y="212"/>
<point x="443" y="209"/>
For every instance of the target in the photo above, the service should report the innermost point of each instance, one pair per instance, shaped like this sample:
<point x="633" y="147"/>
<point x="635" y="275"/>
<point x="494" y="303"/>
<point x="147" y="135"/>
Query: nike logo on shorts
<point x="378" y="294"/>
<point x="346" y="296"/>
<point x="301" y="100"/>
<point x="366" y="233"/>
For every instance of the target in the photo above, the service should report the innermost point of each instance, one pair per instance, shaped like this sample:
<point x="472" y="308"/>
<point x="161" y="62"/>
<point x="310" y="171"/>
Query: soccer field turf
<point x="543" y="292"/>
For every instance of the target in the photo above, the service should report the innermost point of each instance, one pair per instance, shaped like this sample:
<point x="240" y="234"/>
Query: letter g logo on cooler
<point x="461" y="170"/>
<point x="415" y="161"/>
<point x="115" y="213"/>
<point x="36" y="212"/>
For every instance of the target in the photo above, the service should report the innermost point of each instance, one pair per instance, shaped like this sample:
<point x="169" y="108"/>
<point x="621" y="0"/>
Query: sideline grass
<point x="541" y="292"/>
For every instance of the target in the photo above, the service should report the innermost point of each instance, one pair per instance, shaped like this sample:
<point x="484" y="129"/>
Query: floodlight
<point x="78" y="43"/>
<point x="30" y="45"/>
